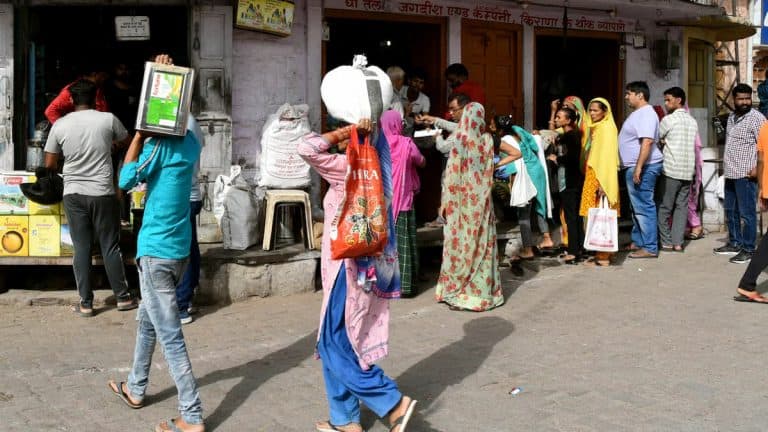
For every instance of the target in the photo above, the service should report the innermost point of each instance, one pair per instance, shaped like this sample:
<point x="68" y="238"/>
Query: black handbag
<point x="47" y="190"/>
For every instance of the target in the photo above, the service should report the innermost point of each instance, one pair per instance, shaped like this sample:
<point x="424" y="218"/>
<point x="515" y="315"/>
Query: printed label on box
<point x="12" y="201"/>
<point x="44" y="236"/>
<point x="14" y="235"/>
<point x="43" y="209"/>
<point x="66" y="248"/>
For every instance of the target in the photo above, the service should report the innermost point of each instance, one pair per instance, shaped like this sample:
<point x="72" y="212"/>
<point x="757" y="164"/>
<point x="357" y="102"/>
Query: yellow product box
<point x="14" y="235"/>
<point x="12" y="201"/>
<point x="43" y="209"/>
<point x="66" y="247"/>
<point x="44" y="236"/>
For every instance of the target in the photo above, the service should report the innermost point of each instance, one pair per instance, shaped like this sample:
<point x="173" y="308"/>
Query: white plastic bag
<point x="351" y="93"/>
<point x="220" y="188"/>
<point x="522" y="190"/>
<point x="281" y="166"/>
<point x="602" y="234"/>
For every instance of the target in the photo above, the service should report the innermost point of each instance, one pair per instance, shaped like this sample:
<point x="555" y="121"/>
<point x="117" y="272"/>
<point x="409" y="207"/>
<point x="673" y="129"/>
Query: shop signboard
<point x="764" y="24"/>
<point x="166" y="95"/>
<point x="487" y="12"/>
<point x="270" y="16"/>
<point x="132" y="28"/>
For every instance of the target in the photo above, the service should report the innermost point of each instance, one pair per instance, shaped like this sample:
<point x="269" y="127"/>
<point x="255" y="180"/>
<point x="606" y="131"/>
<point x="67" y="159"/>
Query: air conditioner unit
<point x="666" y="55"/>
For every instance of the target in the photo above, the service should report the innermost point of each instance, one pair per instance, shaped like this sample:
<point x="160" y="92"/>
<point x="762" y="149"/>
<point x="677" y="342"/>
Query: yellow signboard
<point x="271" y="16"/>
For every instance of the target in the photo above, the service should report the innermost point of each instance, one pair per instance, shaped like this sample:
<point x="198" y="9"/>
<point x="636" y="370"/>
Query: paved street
<point x="651" y="345"/>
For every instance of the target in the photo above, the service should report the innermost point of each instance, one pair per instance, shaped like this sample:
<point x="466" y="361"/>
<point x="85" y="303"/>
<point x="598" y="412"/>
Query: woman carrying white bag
<point x="601" y="179"/>
<point x="530" y="186"/>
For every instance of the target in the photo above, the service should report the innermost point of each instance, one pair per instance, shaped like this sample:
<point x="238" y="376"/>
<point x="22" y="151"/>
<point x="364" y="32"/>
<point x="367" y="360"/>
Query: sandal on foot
<point x="630" y="248"/>
<point x="126" y="305"/>
<point x="327" y="426"/>
<point x="119" y="390"/>
<point x="403" y="420"/>
<point x="170" y="426"/>
<point x="694" y="236"/>
<point x="82" y="311"/>
<point x="750" y="297"/>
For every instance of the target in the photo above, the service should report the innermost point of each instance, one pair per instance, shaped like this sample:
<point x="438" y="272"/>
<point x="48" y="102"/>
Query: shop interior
<point x="56" y="44"/>
<point x="582" y="66"/>
<point x="387" y="42"/>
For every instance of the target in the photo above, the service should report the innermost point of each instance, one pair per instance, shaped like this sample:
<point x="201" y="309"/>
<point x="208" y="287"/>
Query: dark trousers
<point x="186" y="289"/>
<point x="571" y="201"/>
<point x="673" y="204"/>
<point x="96" y="218"/>
<point x="757" y="264"/>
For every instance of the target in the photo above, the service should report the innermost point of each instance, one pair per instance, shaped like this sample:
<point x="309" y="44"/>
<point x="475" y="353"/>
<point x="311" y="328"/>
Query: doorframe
<point x="618" y="109"/>
<point x="517" y="28"/>
<point x="442" y="22"/>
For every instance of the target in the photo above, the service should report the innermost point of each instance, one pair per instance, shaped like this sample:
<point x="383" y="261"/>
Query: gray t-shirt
<point x="85" y="138"/>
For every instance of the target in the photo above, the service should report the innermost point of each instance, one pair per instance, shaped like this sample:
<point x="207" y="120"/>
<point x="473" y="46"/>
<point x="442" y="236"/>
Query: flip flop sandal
<point x="403" y="420"/>
<point x="331" y="427"/>
<point x="79" y="310"/>
<point x="118" y="390"/>
<point x="692" y="236"/>
<point x="168" y="424"/>
<point x="747" y="299"/>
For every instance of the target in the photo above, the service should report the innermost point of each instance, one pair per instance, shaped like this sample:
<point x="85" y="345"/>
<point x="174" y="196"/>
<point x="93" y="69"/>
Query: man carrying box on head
<point x="85" y="138"/>
<point x="166" y="164"/>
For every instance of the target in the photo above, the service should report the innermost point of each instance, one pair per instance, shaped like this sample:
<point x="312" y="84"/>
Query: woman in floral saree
<point x="469" y="275"/>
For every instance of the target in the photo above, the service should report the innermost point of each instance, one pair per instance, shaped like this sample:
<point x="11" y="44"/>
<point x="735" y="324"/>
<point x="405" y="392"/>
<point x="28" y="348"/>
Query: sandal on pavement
<point x="82" y="311"/>
<point x="592" y="262"/>
<point x="403" y="420"/>
<point x="170" y="426"/>
<point x="327" y="426"/>
<point x="694" y="236"/>
<point x="630" y="248"/>
<point x="750" y="297"/>
<point x="126" y="305"/>
<point x="119" y="390"/>
<point x="642" y="253"/>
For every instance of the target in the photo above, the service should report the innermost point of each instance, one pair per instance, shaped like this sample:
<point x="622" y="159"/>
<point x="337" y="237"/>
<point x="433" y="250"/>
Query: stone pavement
<point x="650" y="345"/>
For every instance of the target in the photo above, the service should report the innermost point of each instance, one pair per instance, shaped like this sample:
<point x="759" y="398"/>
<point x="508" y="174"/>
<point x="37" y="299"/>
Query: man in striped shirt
<point x="740" y="166"/>
<point x="677" y="134"/>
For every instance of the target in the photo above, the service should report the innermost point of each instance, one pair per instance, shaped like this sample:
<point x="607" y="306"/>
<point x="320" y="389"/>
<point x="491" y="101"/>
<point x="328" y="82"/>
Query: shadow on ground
<point x="252" y="375"/>
<point x="429" y="378"/>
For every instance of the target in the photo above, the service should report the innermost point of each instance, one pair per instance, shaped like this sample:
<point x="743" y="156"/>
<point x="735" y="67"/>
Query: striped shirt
<point x="678" y="131"/>
<point x="741" y="143"/>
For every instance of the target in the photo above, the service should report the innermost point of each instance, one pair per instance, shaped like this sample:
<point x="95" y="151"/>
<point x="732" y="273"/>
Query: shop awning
<point x="725" y="27"/>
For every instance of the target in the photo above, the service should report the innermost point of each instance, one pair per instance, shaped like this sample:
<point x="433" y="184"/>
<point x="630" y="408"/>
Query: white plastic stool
<point x="287" y="196"/>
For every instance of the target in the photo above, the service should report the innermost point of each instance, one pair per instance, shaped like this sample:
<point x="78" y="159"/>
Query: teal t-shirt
<point x="166" y="164"/>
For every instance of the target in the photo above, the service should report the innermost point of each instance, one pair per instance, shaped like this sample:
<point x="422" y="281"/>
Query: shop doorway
<point x="390" y="40"/>
<point x="493" y="54"/>
<point x="583" y="64"/>
<point x="396" y="40"/>
<point x="57" y="44"/>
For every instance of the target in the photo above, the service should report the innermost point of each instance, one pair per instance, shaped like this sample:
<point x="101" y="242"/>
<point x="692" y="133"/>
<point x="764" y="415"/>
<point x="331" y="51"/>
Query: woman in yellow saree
<point x="602" y="164"/>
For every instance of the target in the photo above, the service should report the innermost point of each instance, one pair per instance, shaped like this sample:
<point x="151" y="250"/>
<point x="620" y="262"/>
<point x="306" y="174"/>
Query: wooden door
<point x="493" y="55"/>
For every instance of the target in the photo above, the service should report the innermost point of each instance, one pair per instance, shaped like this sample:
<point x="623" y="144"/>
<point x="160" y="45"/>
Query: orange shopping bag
<point x="360" y="225"/>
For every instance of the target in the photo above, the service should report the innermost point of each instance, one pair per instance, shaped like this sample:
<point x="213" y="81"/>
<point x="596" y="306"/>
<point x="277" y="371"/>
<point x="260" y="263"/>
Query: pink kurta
<point x="366" y="315"/>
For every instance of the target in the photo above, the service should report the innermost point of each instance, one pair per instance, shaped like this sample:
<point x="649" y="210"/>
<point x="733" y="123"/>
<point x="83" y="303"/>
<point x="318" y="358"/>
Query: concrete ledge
<point x="228" y="275"/>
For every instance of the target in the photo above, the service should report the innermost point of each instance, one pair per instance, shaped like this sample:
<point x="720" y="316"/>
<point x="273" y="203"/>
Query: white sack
<point x="351" y="93"/>
<point x="281" y="166"/>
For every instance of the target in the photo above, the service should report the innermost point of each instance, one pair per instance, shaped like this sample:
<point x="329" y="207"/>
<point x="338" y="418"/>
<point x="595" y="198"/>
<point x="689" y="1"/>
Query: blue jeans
<point x="641" y="196"/>
<point x="186" y="290"/>
<point x="158" y="318"/>
<point x="346" y="383"/>
<point x="741" y="207"/>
